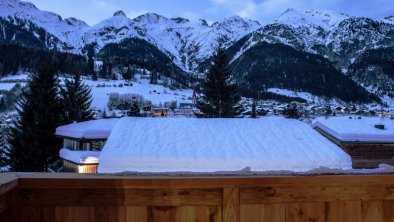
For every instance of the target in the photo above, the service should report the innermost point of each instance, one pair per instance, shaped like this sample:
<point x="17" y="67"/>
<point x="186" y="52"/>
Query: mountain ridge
<point x="339" y="38"/>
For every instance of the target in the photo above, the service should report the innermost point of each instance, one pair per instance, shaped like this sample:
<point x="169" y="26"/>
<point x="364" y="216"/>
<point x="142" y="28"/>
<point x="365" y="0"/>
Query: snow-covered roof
<point x="357" y="130"/>
<point x="217" y="145"/>
<point x="94" y="129"/>
<point x="80" y="157"/>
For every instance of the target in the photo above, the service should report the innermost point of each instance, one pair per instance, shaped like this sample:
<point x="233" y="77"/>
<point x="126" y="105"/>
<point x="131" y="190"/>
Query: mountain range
<point x="334" y="46"/>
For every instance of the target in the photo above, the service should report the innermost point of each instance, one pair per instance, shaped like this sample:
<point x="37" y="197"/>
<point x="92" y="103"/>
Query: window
<point x="97" y="145"/>
<point x="86" y="146"/>
<point x="70" y="144"/>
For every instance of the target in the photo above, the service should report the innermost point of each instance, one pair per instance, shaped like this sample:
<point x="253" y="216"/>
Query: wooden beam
<point x="304" y="193"/>
<point x="98" y="181"/>
<point x="118" y="197"/>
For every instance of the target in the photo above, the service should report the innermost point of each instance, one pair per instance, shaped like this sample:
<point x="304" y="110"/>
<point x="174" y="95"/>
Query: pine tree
<point x="76" y="100"/>
<point x="220" y="97"/>
<point x="291" y="111"/>
<point x="4" y="147"/>
<point x="153" y="77"/>
<point x="134" y="110"/>
<point x="254" y="111"/>
<point x="127" y="75"/>
<point x="94" y="76"/>
<point x="2" y="104"/>
<point x="33" y="145"/>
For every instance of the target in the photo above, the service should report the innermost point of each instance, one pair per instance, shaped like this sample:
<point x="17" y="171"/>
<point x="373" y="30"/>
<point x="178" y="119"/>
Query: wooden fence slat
<point x="262" y="212"/>
<point x="48" y="214"/>
<point x="75" y="214"/>
<point x="343" y="211"/>
<point x="231" y="204"/>
<point x="136" y="214"/>
<point x="29" y="214"/>
<point x="115" y="214"/>
<point x="372" y="211"/>
<point x="305" y="212"/>
<point x="388" y="211"/>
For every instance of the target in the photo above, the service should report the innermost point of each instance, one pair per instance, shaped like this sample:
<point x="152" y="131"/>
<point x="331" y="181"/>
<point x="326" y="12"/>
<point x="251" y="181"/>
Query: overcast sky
<point x="94" y="11"/>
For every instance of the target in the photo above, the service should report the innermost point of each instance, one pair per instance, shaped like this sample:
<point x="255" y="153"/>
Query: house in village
<point x="368" y="140"/>
<point x="82" y="143"/>
<point x="160" y="111"/>
<point x="98" y="65"/>
<point x="186" y="109"/>
<point x="197" y="145"/>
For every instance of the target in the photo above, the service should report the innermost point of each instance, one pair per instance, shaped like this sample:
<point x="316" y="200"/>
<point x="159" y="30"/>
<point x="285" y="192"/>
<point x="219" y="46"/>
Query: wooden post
<point x="231" y="206"/>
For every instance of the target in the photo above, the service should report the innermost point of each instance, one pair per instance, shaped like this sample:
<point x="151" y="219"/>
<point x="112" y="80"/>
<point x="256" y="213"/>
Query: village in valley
<point x="287" y="116"/>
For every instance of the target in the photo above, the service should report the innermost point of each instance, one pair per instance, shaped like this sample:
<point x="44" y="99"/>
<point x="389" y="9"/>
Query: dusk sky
<point x="265" y="11"/>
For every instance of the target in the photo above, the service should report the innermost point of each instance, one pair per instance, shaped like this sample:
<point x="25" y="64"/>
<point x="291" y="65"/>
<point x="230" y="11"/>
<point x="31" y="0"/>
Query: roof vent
<point x="379" y="126"/>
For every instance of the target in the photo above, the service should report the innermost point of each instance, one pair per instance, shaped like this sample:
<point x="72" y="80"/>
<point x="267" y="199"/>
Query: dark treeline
<point x="375" y="68"/>
<point x="140" y="53"/>
<point x="271" y="96"/>
<point x="14" y="58"/>
<point x="280" y="66"/>
<point x="381" y="57"/>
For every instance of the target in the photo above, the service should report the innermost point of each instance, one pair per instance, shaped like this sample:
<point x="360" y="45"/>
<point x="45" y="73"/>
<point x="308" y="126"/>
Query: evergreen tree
<point x="127" y="75"/>
<point x="33" y="145"/>
<point x="76" y="100"/>
<point x="254" y="112"/>
<point x="91" y="64"/>
<point x="220" y="96"/>
<point x="94" y="76"/>
<point x="134" y="110"/>
<point x="291" y="111"/>
<point x="2" y="104"/>
<point x="4" y="147"/>
<point x="153" y="77"/>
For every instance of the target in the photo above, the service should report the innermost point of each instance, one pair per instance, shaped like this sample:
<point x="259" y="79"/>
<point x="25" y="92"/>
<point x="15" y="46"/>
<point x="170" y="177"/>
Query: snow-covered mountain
<point x="187" y="42"/>
<point x="28" y="16"/>
<point x="338" y="38"/>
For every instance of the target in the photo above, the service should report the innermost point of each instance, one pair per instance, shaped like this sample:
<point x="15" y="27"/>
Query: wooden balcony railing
<point x="85" y="198"/>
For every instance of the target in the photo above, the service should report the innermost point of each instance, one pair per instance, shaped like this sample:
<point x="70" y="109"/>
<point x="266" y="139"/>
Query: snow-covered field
<point x="8" y="82"/>
<point x="157" y="94"/>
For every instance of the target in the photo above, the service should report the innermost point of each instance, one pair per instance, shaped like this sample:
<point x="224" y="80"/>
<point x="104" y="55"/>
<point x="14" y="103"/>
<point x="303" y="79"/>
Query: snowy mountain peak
<point x="120" y="13"/>
<point x="236" y="22"/>
<point x="203" y="22"/>
<point x="150" y="18"/>
<point x="307" y="17"/>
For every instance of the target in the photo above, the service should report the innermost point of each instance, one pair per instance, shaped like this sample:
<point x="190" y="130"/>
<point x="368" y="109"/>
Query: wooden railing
<point x="74" y="197"/>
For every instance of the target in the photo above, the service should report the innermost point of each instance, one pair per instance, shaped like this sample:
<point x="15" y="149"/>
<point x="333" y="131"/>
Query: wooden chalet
<point x="82" y="144"/>
<point x="368" y="140"/>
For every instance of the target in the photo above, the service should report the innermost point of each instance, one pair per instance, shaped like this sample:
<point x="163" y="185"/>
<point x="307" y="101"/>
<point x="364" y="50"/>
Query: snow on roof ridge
<point x="93" y="129"/>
